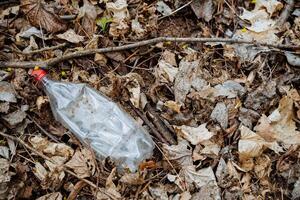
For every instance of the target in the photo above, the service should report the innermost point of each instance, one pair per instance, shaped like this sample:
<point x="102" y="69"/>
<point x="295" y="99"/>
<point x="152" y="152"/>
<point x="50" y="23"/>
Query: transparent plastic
<point x="99" y="123"/>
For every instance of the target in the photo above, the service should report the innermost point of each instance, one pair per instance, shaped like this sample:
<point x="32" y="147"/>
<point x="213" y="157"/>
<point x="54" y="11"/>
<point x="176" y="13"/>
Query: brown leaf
<point x="82" y="163"/>
<point x="88" y="14"/>
<point x="39" y="16"/>
<point x="51" y="196"/>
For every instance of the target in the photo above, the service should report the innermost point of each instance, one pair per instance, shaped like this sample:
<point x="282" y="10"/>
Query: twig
<point x="78" y="186"/>
<point x="286" y="12"/>
<point x="149" y="124"/>
<point x="43" y="130"/>
<point x="44" y="49"/>
<point x="160" y="125"/>
<point x="54" y="61"/>
<point x="175" y="11"/>
<point x="52" y="161"/>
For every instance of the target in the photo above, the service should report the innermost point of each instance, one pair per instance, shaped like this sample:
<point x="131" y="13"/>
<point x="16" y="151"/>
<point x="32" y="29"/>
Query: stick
<point x="54" y="61"/>
<point x="149" y="124"/>
<point x="52" y="161"/>
<point x="45" y="49"/>
<point x="286" y="12"/>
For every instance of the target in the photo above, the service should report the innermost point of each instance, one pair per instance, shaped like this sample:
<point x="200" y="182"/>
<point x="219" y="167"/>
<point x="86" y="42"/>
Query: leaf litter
<point x="232" y="109"/>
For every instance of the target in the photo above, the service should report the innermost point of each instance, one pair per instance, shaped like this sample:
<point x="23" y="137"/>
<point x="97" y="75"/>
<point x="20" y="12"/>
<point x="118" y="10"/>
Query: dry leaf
<point x="14" y="118"/>
<point x="110" y="187"/>
<point x="7" y="92"/>
<point x="195" y="135"/>
<point x="174" y="106"/>
<point x="180" y="153"/>
<point x="82" y="163"/>
<point x="120" y="17"/>
<point x="133" y="84"/>
<point x="262" y="29"/>
<point x="51" y="148"/>
<point x="220" y="114"/>
<point x="71" y="36"/>
<point x="229" y="89"/>
<point x="88" y="15"/>
<point x="252" y="145"/>
<point x="188" y="77"/>
<point x="40" y="101"/>
<point x="165" y="72"/>
<point x="280" y="126"/>
<point x="158" y="192"/>
<point x="132" y="179"/>
<point x="203" y="9"/>
<point x="39" y="16"/>
<point x="200" y="178"/>
<point x="51" y="196"/>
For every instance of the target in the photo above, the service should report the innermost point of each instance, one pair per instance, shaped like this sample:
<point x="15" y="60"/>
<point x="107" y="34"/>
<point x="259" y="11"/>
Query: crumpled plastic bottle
<point x="97" y="122"/>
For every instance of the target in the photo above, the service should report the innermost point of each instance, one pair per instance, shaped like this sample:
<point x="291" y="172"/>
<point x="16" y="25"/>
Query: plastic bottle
<point x="97" y="122"/>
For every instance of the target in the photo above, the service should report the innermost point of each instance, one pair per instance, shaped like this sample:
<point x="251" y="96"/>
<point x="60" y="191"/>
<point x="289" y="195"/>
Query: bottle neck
<point x="45" y="81"/>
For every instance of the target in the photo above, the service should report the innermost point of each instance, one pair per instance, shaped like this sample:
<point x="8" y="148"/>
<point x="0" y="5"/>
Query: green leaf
<point x="103" y="22"/>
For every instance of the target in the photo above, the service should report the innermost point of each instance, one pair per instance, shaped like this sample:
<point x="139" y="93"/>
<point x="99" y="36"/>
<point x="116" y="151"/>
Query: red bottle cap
<point x="38" y="74"/>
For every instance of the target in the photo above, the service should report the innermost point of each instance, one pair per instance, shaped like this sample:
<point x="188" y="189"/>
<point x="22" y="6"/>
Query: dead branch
<point x="54" y="61"/>
<point x="286" y="12"/>
<point x="52" y="161"/>
<point x="45" y="49"/>
<point x="157" y="134"/>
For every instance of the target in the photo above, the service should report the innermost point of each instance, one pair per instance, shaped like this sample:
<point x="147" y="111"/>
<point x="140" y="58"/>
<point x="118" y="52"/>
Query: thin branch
<point x="45" y="49"/>
<point x="52" y="161"/>
<point x="54" y="61"/>
<point x="286" y="12"/>
<point x="175" y="11"/>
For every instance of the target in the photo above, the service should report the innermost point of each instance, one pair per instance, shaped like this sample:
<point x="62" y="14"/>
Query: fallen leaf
<point x="296" y="190"/>
<point x="132" y="179"/>
<point x="4" y="107"/>
<point x="14" y="118"/>
<point x="220" y="114"/>
<point x="279" y="125"/>
<point x="40" y="101"/>
<point x="165" y="72"/>
<point x="270" y="5"/>
<point x="137" y="28"/>
<point x="54" y="149"/>
<point x="169" y="57"/>
<point x="7" y="92"/>
<point x="110" y="187"/>
<point x="203" y="9"/>
<point x="292" y="59"/>
<point x="133" y="84"/>
<point x="163" y="8"/>
<point x="71" y="36"/>
<point x="173" y="106"/>
<point x="158" y="192"/>
<point x="188" y="77"/>
<point x="262" y="29"/>
<point x="5" y="177"/>
<point x="40" y="171"/>
<point x="51" y="196"/>
<point x="120" y="17"/>
<point x="82" y="163"/>
<point x="88" y="15"/>
<point x="261" y="96"/>
<point x="200" y="178"/>
<point x="252" y="145"/>
<point x="4" y="152"/>
<point x="195" y="135"/>
<point x="229" y="89"/>
<point x="39" y="16"/>
<point x="180" y="153"/>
